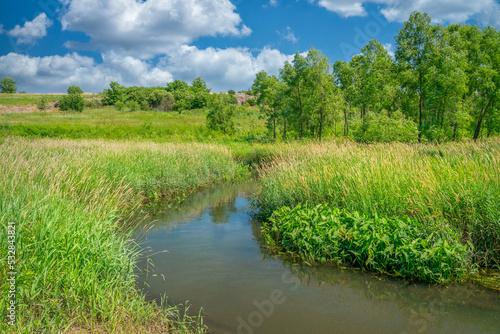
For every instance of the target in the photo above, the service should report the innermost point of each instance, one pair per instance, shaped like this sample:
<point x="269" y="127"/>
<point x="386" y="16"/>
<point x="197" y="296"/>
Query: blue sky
<point x="48" y="45"/>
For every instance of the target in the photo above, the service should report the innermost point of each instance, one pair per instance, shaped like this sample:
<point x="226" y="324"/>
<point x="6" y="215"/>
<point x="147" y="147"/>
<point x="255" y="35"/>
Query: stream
<point x="217" y="261"/>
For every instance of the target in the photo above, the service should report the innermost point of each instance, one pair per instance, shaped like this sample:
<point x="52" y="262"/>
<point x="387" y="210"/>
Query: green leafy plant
<point x="394" y="246"/>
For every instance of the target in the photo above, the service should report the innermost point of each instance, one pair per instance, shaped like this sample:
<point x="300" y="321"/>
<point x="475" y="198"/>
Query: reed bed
<point x="455" y="185"/>
<point x="75" y="261"/>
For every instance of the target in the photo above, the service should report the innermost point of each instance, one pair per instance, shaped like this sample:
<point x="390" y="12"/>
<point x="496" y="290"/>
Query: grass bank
<point x="74" y="260"/>
<point x="455" y="185"/>
<point x="109" y="123"/>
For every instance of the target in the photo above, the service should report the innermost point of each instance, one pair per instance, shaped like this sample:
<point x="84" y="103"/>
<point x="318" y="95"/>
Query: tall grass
<point x="455" y="184"/>
<point x="75" y="263"/>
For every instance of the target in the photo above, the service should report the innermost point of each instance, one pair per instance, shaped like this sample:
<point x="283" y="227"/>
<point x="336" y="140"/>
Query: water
<point x="217" y="261"/>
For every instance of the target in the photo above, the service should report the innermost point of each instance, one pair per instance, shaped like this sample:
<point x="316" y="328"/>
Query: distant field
<point x="109" y="123"/>
<point x="25" y="99"/>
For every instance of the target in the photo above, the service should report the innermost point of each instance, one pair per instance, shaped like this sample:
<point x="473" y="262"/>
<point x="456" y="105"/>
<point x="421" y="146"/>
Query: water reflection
<point x="217" y="260"/>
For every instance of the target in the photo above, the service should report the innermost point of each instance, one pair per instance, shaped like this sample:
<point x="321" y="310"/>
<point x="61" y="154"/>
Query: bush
<point x="120" y="105"/>
<point x="132" y="105"/>
<point x="162" y="100"/>
<point x="8" y="85"/>
<point x="231" y="92"/>
<point x="382" y="128"/>
<point x="75" y="90"/>
<point x="72" y="102"/>
<point x="398" y="247"/>
<point x="42" y="103"/>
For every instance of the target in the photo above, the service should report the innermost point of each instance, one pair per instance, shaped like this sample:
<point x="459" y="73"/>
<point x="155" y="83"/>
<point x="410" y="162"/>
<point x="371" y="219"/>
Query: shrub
<point x="120" y="105"/>
<point x="382" y="128"/>
<point x="162" y="100"/>
<point x="42" y="103"/>
<point x="72" y="102"/>
<point x="231" y="92"/>
<point x="8" y="85"/>
<point x="398" y="247"/>
<point x="132" y="105"/>
<point x="75" y="90"/>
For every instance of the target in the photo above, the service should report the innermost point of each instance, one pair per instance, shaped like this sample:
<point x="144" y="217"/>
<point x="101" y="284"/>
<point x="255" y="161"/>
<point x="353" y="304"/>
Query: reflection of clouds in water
<point x="219" y="201"/>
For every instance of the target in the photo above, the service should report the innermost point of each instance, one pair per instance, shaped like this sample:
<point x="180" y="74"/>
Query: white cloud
<point x="390" y="50"/>
<point x="32" y="30"/>
<point x="232" y="68"/>
<point x="149" y="28"/>
<point x="289" y="35"/>
<point x="485" y="11"/>
<point x="273" y="3"/>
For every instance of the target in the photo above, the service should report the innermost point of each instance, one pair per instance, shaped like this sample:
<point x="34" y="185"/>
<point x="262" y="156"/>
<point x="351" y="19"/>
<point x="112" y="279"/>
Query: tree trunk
<point x="420" y="105"/>
<point x="480" y="120"/>
<point x="455" y="125"/>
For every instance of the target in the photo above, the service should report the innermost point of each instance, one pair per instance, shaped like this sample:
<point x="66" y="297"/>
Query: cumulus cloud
<point x="148" y="28"/>
<point x="485" y="11"/>
<point x="232" y="68"/>
<point x="289" y="35"/>
<point x="31" y="30"/>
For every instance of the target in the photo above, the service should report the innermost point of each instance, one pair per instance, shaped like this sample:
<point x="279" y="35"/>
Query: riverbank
<point x="75" y="260"/>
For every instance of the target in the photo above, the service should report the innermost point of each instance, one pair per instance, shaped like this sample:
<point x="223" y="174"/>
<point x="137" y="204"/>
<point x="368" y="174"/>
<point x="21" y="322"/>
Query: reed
<point x="75" y="260"/>
<point x="453" y="185"/>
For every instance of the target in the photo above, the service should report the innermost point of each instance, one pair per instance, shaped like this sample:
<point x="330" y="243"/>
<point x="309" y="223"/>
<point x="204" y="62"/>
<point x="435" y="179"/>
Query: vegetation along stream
<point x="218" y="261"/>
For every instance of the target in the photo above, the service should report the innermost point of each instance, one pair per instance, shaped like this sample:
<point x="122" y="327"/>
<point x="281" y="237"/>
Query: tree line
<point x="442" y="84"/>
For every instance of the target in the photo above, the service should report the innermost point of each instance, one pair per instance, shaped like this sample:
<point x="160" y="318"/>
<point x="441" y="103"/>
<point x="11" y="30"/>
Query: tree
<point x="8" y="85"/>
<point x="221" y="113"/>
<point x="413" y="45"/>
<point x="344" y="79"/>
<point x="75" y="90"/>
<point x="162" y="100"/>
<point x="483" y="57"/>
<point x="231" y="92"/>
<point x="72" y="102"/>
<point x="201" y="93"/>
<point x="112" y="95"/>
<point x="271" y="95"/>
<point x="320" y="86"/>
<point x="177" y="85"/>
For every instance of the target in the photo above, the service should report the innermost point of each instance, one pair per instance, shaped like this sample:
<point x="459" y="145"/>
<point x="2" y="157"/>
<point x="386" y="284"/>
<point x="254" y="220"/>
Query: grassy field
<point x="67" y="200"/>
<point x="27" y="99"/>
<point x="454" y="185"/>
<point x="69" y="181"/>
<point x="109" y="123"/>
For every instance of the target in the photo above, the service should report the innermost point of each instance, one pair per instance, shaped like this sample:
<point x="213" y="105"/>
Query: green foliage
<point x="8" y="85"/>
<point x="72" y="102"/>
<point x="393" y="246"/>
<point x="42" y="103"/>
<point x="75" y="260"/>
<point x="162" y="100"/>
<point x="231" y="92"/>
<point x="455" y="185"/>
<point x="221" y="113"/>
<point x="132" y="105"/>
<point x="75" y="90"/>
<point x="112" y="95"/>
<point x="382" y="128"/>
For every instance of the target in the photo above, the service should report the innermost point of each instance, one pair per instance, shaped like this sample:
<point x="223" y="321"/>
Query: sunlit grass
<point x="456" y="185"/>
<point x="75" y="259"/>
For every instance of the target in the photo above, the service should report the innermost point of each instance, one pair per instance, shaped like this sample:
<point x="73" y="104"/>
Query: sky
<point x="48" y="45"/>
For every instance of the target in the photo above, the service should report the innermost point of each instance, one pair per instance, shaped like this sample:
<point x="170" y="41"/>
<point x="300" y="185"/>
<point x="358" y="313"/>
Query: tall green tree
<point x="414" y="42"/>
<point x="483" y="72"/>
<point x="271" y="92"/>
<point x="8" y="85"/>
<point x="321" y="89"/>
<point x="344" y="79"/>
<point x="221" y="114"/>
<point x="294" y="76"/>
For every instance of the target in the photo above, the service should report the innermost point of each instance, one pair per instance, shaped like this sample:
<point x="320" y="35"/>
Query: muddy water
<point x="217" y="261"/>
